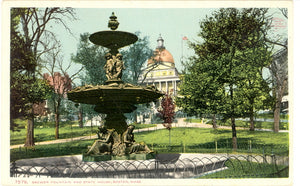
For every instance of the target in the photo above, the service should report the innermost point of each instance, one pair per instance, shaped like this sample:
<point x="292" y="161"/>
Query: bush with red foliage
<point x="167" y="111"/>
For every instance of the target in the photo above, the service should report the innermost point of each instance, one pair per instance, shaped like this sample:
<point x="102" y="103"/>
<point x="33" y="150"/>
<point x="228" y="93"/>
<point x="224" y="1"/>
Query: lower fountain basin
<point x="97" y="158"/>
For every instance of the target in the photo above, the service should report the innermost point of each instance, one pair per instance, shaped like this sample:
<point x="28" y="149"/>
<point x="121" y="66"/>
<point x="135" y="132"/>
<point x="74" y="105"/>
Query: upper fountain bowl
<point x="113" y="39"/>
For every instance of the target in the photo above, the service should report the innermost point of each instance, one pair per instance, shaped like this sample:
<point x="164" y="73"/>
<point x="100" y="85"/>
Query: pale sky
<point x="171" y="23"/>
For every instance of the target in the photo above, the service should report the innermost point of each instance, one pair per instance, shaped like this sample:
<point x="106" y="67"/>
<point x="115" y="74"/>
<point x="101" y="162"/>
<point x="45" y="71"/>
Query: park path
<point x="180" y="123"/>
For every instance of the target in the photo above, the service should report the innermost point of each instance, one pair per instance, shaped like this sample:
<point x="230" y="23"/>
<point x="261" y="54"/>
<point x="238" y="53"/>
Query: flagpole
<point x="181" y="59"/>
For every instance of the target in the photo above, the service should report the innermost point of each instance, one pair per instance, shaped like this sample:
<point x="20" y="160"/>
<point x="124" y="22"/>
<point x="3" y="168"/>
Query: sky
<point x="171" y="23"/>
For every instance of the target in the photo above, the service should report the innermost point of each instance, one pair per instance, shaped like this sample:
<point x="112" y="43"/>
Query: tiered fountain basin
<point x="116" y="140"/>
<point x="113" y="39"/>
<point x="120" y="98"/>
<point x="114" y="100"/>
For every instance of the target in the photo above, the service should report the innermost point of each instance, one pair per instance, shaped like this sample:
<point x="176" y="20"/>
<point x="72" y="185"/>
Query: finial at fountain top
<point x="113" y="22"/>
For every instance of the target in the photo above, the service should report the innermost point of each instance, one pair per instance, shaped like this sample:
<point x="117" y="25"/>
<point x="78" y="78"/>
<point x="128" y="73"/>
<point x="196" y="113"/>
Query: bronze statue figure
<point x="131" y="145"/>
<point x="114" y="66"/>
<point x="119" y="67"/>
<point x="109" y="66"/>
<point x="104" y="143"/>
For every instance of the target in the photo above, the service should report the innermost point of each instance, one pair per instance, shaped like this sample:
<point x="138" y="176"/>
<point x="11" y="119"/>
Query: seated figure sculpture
<point x="131" y="145"/>
<point x="104" y="143"/>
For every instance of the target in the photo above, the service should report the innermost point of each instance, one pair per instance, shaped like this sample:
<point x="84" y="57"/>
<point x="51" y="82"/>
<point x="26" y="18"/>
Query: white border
<point x="133" y="4"/>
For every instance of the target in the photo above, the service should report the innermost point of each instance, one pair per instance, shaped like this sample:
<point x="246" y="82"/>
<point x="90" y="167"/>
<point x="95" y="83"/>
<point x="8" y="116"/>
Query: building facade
<point x="161" y="71"/>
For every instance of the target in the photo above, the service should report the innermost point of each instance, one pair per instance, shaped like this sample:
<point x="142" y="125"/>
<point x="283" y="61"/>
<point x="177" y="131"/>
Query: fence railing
<point x="168" y="166"/>
<point x="221" y="147"/>
<point x="247" y="147"/>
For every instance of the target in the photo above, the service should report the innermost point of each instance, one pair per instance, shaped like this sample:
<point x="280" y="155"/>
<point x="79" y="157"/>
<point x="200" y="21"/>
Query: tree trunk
<point x="57" y="117"/>
<point x="56" y="125"/>
<point x="277" y="115"/>
<point x="30" y="130"/>
<point x="252" y="120"/>
<point x="279" y="95"/>
<point x="234" y="138"/>
<point x="80" y="117"/>
<point x="214" y="121"/>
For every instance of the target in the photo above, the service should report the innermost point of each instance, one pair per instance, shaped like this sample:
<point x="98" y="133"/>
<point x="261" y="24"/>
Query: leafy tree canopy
<point x="232" y="53"/>
<point x="25" y="88"/>
<point x="92" y="57"/>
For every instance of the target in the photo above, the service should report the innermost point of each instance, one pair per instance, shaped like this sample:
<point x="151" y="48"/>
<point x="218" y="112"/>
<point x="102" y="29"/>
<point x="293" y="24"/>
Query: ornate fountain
<point x="114" y="98"/>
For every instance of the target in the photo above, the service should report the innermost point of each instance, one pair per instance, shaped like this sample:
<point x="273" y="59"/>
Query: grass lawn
<point x="60" y="149"/>
<point x="46" y="131"/>
<point x="271" y="116"/>
<point x="257" y="124"/>
<point x="141" y="126"/>
<point x="46" y="134"/>
<point x="206" y="135"/>
<point x="191" y="138"/>
<point x="205" y="140"/>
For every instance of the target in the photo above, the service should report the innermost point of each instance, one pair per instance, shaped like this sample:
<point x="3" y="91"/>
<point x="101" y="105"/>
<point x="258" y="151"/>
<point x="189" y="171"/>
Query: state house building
<point x="161" y="71"/>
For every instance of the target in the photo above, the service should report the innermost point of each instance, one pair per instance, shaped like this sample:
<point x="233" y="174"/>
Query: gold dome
<point x="161" y="55"/>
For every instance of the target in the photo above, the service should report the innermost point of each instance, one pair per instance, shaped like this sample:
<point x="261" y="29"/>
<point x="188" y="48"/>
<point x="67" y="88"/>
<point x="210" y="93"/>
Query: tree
<point x="35" y="23"/>
<point x="229" y="35"/>
<point x="59" y="80"/>
<point x="68" y="110"/>
<point x="279" y="75"/>
<point x="26" y="90"/>
<point x="135" y="57"/>
<point x="255" y="89"/>
<point x="167" y="113"/>
<point x="61" y="85"/>
<point x="92" y="58"/>
<point x="35" y="36"/>
<point x="200" y="92"/>
<point x="279" y="70"/>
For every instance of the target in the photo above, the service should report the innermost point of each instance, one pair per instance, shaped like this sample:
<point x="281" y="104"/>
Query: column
<point x="160" y="86"/>
<point x="167" y="91"/>
<point x="175" y="88"/>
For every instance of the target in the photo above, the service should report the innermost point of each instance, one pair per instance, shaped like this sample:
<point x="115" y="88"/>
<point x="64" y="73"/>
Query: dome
<point x="162" y="55"/>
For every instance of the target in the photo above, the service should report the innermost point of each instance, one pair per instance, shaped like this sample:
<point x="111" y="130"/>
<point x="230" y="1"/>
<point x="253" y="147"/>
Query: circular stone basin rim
<point x="107" y="95"/>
